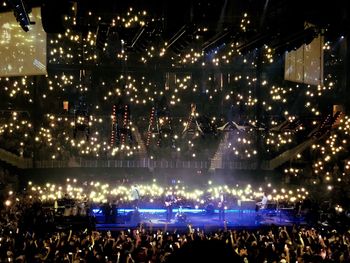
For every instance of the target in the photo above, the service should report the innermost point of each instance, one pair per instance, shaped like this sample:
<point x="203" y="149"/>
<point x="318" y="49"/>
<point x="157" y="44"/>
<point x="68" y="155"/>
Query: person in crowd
<point x="27" y="234"/>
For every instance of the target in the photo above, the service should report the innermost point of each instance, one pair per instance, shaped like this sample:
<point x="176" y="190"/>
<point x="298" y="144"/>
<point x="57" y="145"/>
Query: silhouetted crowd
<point x="29" y="234"/>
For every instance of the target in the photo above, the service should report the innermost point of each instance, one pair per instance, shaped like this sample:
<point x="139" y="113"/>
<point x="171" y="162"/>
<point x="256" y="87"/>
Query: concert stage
<point x="198" y="218"/>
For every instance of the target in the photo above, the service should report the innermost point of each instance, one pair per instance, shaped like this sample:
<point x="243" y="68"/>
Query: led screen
<point x="22" y="53"/>
<point x="305" y="65"/>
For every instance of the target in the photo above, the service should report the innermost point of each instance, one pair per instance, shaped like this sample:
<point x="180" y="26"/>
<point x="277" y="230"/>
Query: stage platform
<point x="198" y="218"/>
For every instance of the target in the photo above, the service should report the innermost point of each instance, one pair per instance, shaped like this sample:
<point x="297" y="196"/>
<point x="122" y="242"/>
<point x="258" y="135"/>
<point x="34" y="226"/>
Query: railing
<point x="26" y="163"/>
<point x="239" y="165"/>
<point x="15" y="160"/>
<point x="144" y="163"/>
<point x="245" y="165"/>
<point x="290" y="154"/>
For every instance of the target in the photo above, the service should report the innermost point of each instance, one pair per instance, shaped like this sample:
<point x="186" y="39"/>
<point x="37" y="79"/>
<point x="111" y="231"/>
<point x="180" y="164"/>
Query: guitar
<point x="171" y="202"/>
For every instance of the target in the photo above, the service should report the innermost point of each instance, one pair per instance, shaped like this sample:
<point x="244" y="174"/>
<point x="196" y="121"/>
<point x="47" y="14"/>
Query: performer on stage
<point x="262" y="204"/>
<point x="221" y="206"/>
<point x="170" y="200"/>
<point x="135" y="199"/>
<point x="135" y="196"/>
<point x="106" y="211"/>
<point x="114" y="211"/>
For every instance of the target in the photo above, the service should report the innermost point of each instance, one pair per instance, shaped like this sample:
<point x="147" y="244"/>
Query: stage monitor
<point x="305" y="65"/>
<point x="22" y="53"/>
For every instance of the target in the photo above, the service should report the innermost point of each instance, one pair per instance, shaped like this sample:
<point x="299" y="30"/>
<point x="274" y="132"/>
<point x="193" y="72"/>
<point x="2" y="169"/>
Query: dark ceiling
<point x="178" y="25"/>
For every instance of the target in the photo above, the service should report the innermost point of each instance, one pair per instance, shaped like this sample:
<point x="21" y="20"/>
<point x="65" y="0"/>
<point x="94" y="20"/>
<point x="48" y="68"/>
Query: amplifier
<point x="246" y="204"/>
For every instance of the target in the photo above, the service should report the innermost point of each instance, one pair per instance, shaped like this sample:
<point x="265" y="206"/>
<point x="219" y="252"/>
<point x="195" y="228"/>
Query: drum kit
<point x="180" y="216"/>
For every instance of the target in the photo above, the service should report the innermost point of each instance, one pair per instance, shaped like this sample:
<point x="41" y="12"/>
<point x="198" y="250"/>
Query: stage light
<point x="21" y="14"/>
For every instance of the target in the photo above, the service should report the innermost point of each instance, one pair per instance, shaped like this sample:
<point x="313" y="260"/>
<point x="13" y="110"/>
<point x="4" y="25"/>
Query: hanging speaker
<point x="52" y="15"/>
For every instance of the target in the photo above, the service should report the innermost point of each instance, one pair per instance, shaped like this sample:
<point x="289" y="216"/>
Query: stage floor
<point x="198" y="218"/>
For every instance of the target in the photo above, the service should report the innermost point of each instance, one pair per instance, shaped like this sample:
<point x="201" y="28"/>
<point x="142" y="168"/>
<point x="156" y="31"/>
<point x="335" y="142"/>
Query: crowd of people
<point x="29" y="234"/>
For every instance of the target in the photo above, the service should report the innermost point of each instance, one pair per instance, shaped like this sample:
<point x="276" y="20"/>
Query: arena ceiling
<point x="181" y="26"/>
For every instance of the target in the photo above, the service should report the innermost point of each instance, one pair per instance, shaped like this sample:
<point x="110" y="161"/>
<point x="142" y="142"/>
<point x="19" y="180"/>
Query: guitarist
<point x="135" y="196"/>
<point x="170" y="200"/>
<point x="221" y="206"/>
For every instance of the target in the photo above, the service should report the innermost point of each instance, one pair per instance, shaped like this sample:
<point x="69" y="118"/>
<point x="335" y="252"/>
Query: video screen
<point x="22" y="53"/>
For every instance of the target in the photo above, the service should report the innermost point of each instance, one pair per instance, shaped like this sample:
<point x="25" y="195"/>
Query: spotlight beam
<point x="176" y="36"/>
<point x="137" y="36"/>
<point x="255" y="42"/>
<point x="215" y="39"/>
